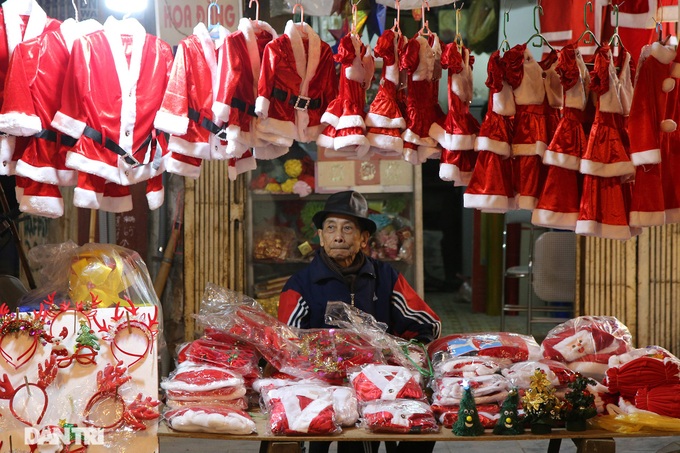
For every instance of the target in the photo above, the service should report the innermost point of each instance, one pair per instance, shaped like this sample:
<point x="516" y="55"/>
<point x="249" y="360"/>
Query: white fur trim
<point x="324" y="141"/>
<point x="452" y="142"/>
<point x="170" y="123"/>
<point x="262" y="107"/>
<point x="504" y="101"/>
<point x="646" y="218"/>
<point x="673" y="215"/>
<point x="221" y="111"/>
<point x="494" y="146"/>
<point x="348" y="121"/>
<point x="668" y="126"/>
<point x="330" y="118"/>
<point x="249" y="28"/>
<point x="410" y="155"/>
<point x="89" y="199"/>
<point x="675" y="70"/>
<point x="447" y="172"/>
<point x="7" y="166"/>
<point x="528" y="149"/>
<point x="204" y="420"/>
<point x="593" y="228"/>
<point x="276" y="131"/>
<point x="568" y="161"/>
<point x="526" y="202"/>
<point x="72" y="30"/>
<point x="636" y="20"/>
<point x="193" y="149"/>
<point x="668" y="85"/>
<point x="37" y="20"/>
<point x="155" y="198"/>
<point x="123" y="174"/>
<point x="650" y="156"/>
<point x="428" y="152"/>
<point x="589" y="167"/>
<point x="67" y="125"/>
<point x="552" y="219"/>
<point x="182" y="168"/>
<point x="489" y="203"/>
<point x="245" y="164"/>
<point x="375" y="120"/>
<point x="21" y="124"/>
<point x="409" y="136"/>
<point x="235" y="149"/>
<point x="269" y="151"/>
<point x="351" y="143"/>
<point x="47" y="175"/>
<point x="116" y="204"/>
<point x="51" y="207"/>
<point x="386" y="142"/>
<point x="208" y="45"/>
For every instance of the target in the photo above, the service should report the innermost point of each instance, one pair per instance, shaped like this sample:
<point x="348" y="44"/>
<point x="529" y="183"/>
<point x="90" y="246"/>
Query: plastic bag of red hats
<point x="503" y="346"/>
<point x="642" y="368"/>
<point x="399" y="416"/>
<point x="240" y="359"/>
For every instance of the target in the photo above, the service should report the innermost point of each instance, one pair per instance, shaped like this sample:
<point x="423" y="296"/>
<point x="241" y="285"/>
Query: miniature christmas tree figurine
<point x="86" y="337"/>
<point x="579" y="405"/>
<point x="541" y="406"/>
<point x="468" y="423"/>
<point x="510" y="422"/>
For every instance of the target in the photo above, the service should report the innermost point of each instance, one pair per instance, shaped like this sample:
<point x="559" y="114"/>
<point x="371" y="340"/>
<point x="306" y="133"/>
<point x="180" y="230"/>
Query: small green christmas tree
<point x="510" y="422"/>
<point x="468" y="423"/>
<point x="579" y="403"/>
<point x="541" y="406"/>
<point x="86" y="337"/>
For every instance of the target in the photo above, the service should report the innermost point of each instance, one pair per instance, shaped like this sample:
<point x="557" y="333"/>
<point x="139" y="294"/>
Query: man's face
<point x="342" y="238"/>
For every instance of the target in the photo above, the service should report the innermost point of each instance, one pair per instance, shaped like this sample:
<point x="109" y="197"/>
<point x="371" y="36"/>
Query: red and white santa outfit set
<point x="458" y="132"/>
<point x="235" y="103"/>
<point x="20" y="20"/>
<point x="399" y="416"/>
<point x="449" y="391"/>
<point x="558" y="204"/>
<point x="421" y="59"/>
<point x="490" y="188"/>
<point x="210" y="419"/>
<point x="186" y="111"/>
<point x="345" y="134"/>
<point x="297" y="82"/>
<point x="386" y="382"/>
<point x="199" y="383"/>
<point x="301" y="409"/>
<point x="653" y="82"/>
<point x="670" y="143"/>
<point x="385" y="119"/>
<point x="109" y="103"/>
<point x="34" y="82"/>
<point x="605" y="200"/>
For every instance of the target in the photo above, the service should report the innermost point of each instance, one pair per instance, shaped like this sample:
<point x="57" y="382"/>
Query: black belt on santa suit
<point x="298" y="102"/>
<point x="56" y="137"/>
<point x="206" y="123"/>
<point x="109" y="144"/>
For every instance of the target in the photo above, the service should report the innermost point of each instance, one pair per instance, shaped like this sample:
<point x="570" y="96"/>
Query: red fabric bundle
<point x="663" y="400"/>
<point x="448" y="415"/>
<point x="241" y="359"/>
<point x="301" y="410"/>
<point x="642" y="372"/>
<point x="466" y="367"/>
<point x="507" y="346"/>
<point x="400" y="416"/>
<point x="386" y="382"/>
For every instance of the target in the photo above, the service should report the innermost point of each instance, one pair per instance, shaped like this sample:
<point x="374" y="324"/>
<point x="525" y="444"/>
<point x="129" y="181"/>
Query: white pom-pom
<point x="668" y="85"/>
<point x="675" y="70"/>
<point x="668" y="126"/>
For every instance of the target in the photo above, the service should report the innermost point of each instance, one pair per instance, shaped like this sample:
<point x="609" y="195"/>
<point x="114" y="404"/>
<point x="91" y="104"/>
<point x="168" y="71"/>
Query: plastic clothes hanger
<point x="355" y="11"/>
<point x="588" y="33"/>
<point x="505" y="45"/>
<point x="213" y="27"/>
<point x="395" y="27"/>
<point x="615" y="40"/>
<point x="257" y="8"/>
<point x="425" y="29"/>
<point x="300" y="25"/>
<point x="458" y="39"/>
<point x="538" y="8"/>
<point x="75" y="8"/>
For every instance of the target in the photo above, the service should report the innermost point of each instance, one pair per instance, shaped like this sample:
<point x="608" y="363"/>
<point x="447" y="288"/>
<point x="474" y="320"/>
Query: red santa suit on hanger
<point x="558" y="204"/>
<point x="490" y="188"/>
<point x="345" y="134"/>
<point x="21" y="20"/>
<point x="385" y="119"/>
<point x="186" y="112"/>
<point x="109" y="103"/>
<point x="653" y="83"/>
<point x="297" y="81"/>
<point x="457" y="135"/>
<point x="422" y="61"/>
<point x="605" y="202"/>
<point x="34" y="82"/>
<point x="670" y="143"/>
<point x="237" y="91"/>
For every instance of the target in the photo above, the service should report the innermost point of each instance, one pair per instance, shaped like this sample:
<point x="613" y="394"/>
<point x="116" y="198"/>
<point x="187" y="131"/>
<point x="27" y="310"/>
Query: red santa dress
<point x="34" y="84"/>
<point x="237" y="91"/>
<point x="297" y="82"/>
<point x="558" y="204"/>
<point x="458" y="132"/>
<point x="385" y="119"/>
<point x="670" y="143"/>
<point x="345" y="134"/>
<point x="20" y="20"/>
<point x="490" y="188"/>
<point x="422" y="61"/>
<point x="646" y="123"/>
<point x="186" y="111"/>
<point x="109" y="103"/>
<point x="605" y="201"/>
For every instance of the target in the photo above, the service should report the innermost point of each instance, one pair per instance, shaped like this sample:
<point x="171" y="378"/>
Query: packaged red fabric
<point x="662" y="400"/>
<point x="210" y="419"/>
<point x="643" y="372"/>
<point x="386" y="382"/>
<point x="239" y="358"/>
<point x="240" y="403"/>
<point x="586" y="343"/>
<point x="465" y="366"/>
<point x="504" y="346"/>
<point x="303" y="409"/>
<point x="399" y="416"/>
<point x="198" y="383"/>
<point x="448" y="391"/>
<point x="520" y="373"/>
<point x="448" y="415"/>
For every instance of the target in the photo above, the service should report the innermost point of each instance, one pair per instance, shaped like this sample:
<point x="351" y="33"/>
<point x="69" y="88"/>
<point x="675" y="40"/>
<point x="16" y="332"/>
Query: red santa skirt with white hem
<point x="559" y="202"/>
<point x="647" y="204"/>
<point x="670" y="158"/>
<point x="531" y="130"/>
<point x="569" y="141"/>
<point x="385" y="122"/>
<point x="422" y="111"/>
<point x="41" y="199"/>
<point x="490" y="188"/>
<point x="457" y="137"/>
<point x="607" y="153"/>
<point x="604" y="208"/>
<point x="528" y="178"/>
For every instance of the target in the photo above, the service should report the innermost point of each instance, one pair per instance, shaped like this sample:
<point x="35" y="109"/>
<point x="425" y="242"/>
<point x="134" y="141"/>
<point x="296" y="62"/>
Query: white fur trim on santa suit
<point x="221" y="111"/>
<point x="67" y="125"/>
<point x="269" y="151"/>
<point x="526" y="202"/>
<point x="116" y="204"/>
<point x="124" y="174"/>
<point x="262" y="107"/>
<point x="356" y="71"/>
<point x="646" y="218"/>
<point x="494" y="146"/>
<point x="181" y="168"/>
<point x="193" y="149"/>
<point x="382" y="143"/>
<point x="589" y="167"/>
<point x="170" y="123"/>
<point x="551" y="219"/>
<point x="248" y="28"/>
<point x="450" y="172"/>
<point x="43" y="206"/>
<point x="562" y="160"/>
<point x="155" y="199"/>
<point x="48" y="175"/>
<point x="504" y="101"/>
<point x="209" y="378"/>
<point x="7" y="166"/>
<point x="306" y="66"/>
<point x="241" y="165"/>
<point x="330" y="118"/>
<point x="637" y="20"/>
<point x="593" y="228"/>
<point x="12" y="11"/>
<point x="529" y="149"/>
<point x="21" y="124"/>
<point x="209" y="420"/>
<point x="83" y="198"/>
<point x="375" y="120"/>
<point x="452" y="142"/>
<point x="489" y="203"/>
<point x="650" y="156"/>
<point x="347" y="121"/>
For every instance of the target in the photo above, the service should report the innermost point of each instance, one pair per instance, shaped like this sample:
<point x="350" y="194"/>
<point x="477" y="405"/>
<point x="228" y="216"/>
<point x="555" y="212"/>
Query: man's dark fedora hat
<point x="349" y="203"/>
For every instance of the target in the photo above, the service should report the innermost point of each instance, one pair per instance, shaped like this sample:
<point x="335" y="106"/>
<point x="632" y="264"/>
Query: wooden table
<point x="590" y="441"/>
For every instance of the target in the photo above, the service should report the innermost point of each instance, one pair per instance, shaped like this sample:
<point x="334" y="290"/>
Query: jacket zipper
<point x="352" y="298"/>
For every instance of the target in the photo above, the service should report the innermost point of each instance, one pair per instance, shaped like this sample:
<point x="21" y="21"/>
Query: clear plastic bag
<point x="203" y="383"/>
<point x="399" y="416"/>
<point x="503" y="347"/>
<point x="519" y="374"/>
<point x="304" y="409"/>
<point x="464" y="366"/>
<point x="448" y="415"/>
<point x="386" y="382"/>
<point x="210" y="419"/>
<point x="241" y="359"/>
<point x="492" y="388"/>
